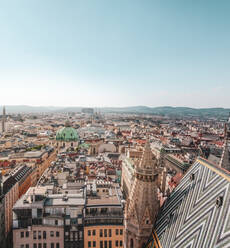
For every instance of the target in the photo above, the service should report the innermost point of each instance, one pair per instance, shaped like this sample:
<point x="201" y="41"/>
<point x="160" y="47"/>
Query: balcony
<point x="112" y="215"/>
<point x="17" y="224"/>
<point x="54" y="215"/>
<point x="110" y="218"/>
<point x="103" y="221"/>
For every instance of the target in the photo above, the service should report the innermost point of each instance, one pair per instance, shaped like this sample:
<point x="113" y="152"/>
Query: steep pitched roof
<point x="197" y="213"/>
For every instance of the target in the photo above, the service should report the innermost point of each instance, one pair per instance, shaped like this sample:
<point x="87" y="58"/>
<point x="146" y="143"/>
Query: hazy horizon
<point x="95" y="107"/>
<point x="115" y="53"/>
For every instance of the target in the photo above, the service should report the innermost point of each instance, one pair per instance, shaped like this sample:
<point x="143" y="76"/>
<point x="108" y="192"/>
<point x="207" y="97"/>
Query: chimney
<point x="33" y="195"/>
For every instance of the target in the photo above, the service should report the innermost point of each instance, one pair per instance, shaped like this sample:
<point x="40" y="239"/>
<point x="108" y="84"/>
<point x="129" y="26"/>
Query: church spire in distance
<point x="3" y="119"/>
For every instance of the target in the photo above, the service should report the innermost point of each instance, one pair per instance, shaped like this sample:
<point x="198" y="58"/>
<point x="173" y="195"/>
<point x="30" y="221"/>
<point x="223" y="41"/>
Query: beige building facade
<point x="39" y="237"/>
<point x="106" y="236"/>
<point x="10" y="198"/>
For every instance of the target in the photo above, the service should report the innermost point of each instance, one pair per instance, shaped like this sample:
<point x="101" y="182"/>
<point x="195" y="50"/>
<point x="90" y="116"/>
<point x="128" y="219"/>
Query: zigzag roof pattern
<point x="197" y="213"/>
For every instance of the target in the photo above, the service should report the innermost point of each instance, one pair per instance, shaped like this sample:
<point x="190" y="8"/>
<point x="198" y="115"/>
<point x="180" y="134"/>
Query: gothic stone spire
<point x="143" y="204"/>
<point x="224" y="161"/>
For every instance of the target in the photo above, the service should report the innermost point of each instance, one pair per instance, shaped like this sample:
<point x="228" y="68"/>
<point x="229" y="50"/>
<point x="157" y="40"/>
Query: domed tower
<point x="143" y="204"/>
<point x="67" y="137"/>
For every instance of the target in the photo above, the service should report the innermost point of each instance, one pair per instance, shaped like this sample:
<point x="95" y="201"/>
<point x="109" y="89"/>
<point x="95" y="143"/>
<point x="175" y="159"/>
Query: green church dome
<point x="66" y="134"/>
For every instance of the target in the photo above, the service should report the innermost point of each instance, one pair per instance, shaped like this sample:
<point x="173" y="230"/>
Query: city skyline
<point x="114" y="124"/>
<point x="111" y="181"/>
<point x="100" y="53"/>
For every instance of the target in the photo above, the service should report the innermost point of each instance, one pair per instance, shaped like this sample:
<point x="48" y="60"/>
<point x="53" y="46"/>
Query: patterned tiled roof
<point x="197" y="213"/>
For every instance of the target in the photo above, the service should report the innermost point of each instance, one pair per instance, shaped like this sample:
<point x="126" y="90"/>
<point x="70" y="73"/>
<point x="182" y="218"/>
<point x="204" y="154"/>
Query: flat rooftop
<point x="34" y="154"/>
<point x="72" y="200"/>
<point x="104" y="198"/>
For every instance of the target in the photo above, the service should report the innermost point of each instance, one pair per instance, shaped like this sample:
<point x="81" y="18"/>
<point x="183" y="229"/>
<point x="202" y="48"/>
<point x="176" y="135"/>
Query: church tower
<point x="3" y="119"/>
<point x="225" y="158"/>
<point x="143" y="204"/>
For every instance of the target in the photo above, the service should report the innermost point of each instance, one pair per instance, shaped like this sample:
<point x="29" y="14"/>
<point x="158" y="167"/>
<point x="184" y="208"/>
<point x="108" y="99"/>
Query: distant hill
<point x="165" y="110"/>
<point x="28" y="109"/>
<point x="174" y="111"/>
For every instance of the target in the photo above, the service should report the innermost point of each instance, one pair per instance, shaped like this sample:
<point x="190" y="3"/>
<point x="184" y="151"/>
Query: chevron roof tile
<point x="190" y="217"/>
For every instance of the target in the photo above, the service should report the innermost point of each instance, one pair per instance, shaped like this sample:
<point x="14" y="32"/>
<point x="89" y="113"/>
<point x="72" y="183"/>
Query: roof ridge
<point x="217" y="169"/>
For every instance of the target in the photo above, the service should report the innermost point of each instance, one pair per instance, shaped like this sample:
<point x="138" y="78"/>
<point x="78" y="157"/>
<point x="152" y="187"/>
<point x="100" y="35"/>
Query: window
<point x="73" y="234"/>
<point x="105" y="232"/>
<point x="35" y="245"/>
<point x="101" y="233"/>
<point x="89" y="233"/>
<point x="39" y="245"/>
<point x="56" y="222"/>
<point x="57" y="234"/>
<point x="116" y="243"/>
<point x="52" y="245"/>
<point x="89" y="244"/>
<point x="79" y="220"/>
<point x="121" y="243"/>
<point x="57" y="245"/>
<point x="39" y="234"/>
<point x="44" y="235"/>
<point x="35" y="236"/>
<point x="22" y="234"/>
<point x="94" y="243"/>
<point x="94" y="232"/>
<point x="44" y="245"/>
<point x="110" y="244"/>
<point x="105" y="244"/>
<point x="21" y="246"/>
<point x="117" y="231"/>
<point x="27" y="234"/>
<point x="101" y="244"/>
<point x="51" y="234"/>
<point x="27" y="246"/>
<point x="131" y="243"/>
<point x="110" y="233"/>
<point x="121" y="231"/>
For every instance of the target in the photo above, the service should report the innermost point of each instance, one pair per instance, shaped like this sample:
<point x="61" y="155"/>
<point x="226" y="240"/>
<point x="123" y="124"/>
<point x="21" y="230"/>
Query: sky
<point x="101" y="53"/>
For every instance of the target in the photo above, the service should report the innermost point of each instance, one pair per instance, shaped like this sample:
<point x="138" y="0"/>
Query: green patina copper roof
<point x="84" y="146"/>
<point x="67" y="134"/>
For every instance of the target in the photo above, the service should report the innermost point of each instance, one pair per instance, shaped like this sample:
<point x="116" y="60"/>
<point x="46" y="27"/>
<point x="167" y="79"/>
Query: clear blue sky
<point x="115" y="52"/>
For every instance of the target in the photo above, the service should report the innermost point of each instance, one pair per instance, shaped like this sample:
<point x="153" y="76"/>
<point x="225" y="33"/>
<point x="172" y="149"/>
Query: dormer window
<point x="192" y="177"/>
<point x="219" y="201"/>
